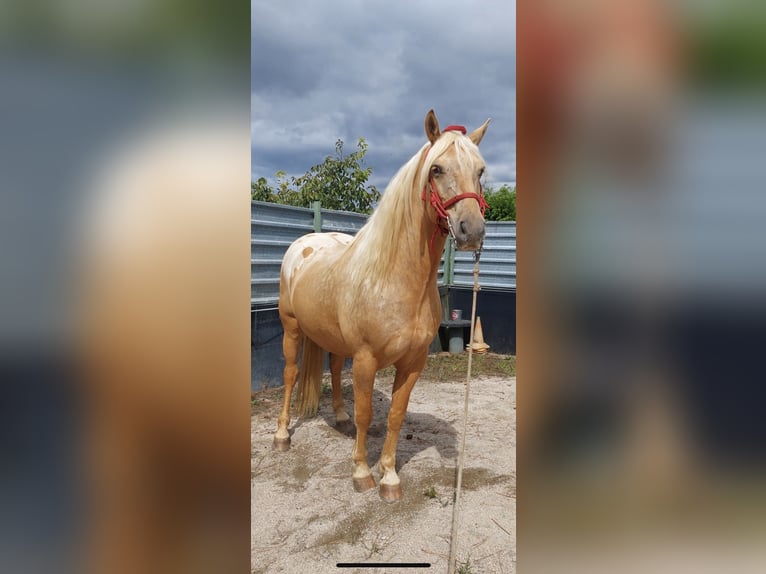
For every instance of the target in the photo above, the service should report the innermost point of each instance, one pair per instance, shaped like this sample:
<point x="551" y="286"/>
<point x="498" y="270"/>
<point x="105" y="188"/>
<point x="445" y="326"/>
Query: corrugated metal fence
<point x="274" y="227"/>
<point x="497" y="267"/>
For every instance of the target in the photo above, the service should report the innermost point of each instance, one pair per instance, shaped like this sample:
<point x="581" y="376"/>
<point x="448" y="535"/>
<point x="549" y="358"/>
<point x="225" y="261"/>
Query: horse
<point x="374" y="298"/>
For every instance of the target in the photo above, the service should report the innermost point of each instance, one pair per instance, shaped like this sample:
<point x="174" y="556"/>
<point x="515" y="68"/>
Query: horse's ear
<point x="432" y="126"/>
<point x="478" y="133"/>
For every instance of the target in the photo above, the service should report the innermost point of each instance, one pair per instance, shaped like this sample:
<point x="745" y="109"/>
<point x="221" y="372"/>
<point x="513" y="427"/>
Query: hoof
<point x="364" y="484"/>
<point x="345" y="427"/>
<point x="391" y="492"/>
<point x="281" y="444"/>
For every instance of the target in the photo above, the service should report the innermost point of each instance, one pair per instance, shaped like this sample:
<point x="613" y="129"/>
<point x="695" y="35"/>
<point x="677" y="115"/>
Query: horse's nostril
<point x="462" y="228"/>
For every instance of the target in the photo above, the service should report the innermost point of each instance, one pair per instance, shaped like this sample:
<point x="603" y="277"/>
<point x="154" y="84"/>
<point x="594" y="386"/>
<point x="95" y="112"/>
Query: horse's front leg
<point x="407" y="373"/>
<point x="364" y="369"/>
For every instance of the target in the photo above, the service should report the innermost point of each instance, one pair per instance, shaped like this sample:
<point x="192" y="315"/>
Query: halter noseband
<point x="440" y="207"/>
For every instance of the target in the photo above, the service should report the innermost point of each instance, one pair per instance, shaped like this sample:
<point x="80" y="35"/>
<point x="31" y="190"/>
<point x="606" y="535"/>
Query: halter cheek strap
<point x="440" y="207"/>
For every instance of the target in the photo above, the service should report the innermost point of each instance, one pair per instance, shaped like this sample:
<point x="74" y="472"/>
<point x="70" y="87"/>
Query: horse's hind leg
<point x="290" y="345"/>
<point x="407" y="374"/>
<point x="342" y="420"/>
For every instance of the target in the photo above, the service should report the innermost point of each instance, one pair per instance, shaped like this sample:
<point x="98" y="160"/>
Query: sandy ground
<point x="307" y="517"/>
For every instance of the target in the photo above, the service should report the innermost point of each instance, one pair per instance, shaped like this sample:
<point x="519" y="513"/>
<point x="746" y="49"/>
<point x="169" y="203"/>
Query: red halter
<point x="440" y="207"/>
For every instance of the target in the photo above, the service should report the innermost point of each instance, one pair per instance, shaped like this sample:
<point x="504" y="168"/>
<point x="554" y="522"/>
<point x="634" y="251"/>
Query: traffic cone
<point x="478" y="334"/>
<point x="478" y="344"/>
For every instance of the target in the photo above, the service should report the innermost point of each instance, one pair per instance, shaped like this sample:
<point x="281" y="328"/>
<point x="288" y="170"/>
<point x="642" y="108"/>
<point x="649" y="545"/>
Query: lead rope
<point x="461" y="452"/>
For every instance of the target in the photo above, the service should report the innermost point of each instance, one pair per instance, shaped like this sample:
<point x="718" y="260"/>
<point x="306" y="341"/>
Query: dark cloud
<point x="346" y="69"/>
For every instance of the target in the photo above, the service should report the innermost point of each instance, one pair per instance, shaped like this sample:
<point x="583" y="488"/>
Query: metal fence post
<point x="447" y="278"/>
<point x="317" y="205"/>
<point x="449" y="263"/>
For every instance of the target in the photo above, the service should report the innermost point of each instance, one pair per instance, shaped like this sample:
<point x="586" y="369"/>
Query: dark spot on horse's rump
<point x="408" y="437"/>
<point x="308" y="251"/>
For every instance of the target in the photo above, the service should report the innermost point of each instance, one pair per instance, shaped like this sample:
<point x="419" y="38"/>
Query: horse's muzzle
<point x="469" y="233"/>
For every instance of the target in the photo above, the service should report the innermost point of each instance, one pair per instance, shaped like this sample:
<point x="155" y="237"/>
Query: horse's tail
<point x="312" y="366"/>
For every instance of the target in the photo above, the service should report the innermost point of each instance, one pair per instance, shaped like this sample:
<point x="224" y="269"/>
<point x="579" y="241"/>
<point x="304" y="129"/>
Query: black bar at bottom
<point x="383" y="565"/>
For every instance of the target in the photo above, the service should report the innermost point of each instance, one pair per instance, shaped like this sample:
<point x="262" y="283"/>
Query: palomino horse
<point x="374" y="297"/>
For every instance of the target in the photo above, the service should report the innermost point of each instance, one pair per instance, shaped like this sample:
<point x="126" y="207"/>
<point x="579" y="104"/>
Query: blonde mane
<point x="395" y="223"/>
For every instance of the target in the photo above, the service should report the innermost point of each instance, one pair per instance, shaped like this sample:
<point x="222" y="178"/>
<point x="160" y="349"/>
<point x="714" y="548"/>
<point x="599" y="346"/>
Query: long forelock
<point x="462" y="145"/>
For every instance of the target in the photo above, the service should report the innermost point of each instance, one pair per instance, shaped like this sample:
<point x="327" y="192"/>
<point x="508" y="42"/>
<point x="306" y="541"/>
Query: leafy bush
<point x="502" y="203"/>
<point x="340" y="182"/>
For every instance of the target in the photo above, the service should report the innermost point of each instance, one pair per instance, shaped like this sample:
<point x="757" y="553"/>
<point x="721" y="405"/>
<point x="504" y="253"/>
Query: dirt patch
<point x="307" y="517"/>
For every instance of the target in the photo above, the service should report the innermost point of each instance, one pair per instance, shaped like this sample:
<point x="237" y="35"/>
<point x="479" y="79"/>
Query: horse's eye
<point x="436" y="170"/>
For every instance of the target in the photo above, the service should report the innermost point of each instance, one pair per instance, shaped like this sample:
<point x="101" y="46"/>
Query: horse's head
<point x="452" y="182"/>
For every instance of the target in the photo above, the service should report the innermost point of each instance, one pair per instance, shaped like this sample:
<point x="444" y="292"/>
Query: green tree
<point x="340" y="182"/>
<point x="261" y="191"/>
<point x="286" y="193"/>
<point x="502" y="203"/>
<point x="727" y="49"/>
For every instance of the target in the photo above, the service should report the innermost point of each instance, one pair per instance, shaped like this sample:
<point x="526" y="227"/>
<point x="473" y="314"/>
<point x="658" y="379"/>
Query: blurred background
<point x="124" y="337"/>
<point x="642" y="286"/>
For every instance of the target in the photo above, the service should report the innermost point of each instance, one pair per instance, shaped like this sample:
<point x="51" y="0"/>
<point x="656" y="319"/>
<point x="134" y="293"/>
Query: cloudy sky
<point x="373" y="68"/>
